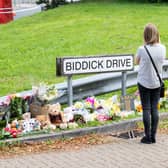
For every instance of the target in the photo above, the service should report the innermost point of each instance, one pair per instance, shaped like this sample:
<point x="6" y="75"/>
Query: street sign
<point x="94" y="64"/>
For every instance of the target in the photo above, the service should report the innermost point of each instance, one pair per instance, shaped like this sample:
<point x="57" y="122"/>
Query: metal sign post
<point x="124" y="83"/>
<point x="70" y="91"/>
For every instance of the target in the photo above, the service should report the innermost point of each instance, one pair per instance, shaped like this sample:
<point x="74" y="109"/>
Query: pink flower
<point x="137" y="93"/>
<point x="7" y="129"/>
<point x="8" y="100"/>
<point x="102" y="117"/>
<point x="90" y="100"/>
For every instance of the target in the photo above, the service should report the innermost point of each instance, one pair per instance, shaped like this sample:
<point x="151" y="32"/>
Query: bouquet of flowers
<point x="45" y="93"/>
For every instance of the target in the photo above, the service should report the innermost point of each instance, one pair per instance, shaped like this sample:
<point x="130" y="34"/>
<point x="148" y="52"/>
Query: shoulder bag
<point x="162" y="85"/>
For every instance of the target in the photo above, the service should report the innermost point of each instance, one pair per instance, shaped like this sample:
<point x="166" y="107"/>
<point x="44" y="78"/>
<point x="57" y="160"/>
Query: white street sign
<point x="96" y="64"/>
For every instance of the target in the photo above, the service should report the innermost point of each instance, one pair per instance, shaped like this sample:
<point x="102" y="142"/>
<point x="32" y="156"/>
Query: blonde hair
<point x="151" y="34"/>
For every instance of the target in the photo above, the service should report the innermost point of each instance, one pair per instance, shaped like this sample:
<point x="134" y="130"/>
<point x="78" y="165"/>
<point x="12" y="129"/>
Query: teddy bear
<point x="55" y="114"/>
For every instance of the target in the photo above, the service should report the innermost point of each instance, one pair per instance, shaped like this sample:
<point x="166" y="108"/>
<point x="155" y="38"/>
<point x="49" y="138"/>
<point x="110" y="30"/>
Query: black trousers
<point x="150" y="99"/>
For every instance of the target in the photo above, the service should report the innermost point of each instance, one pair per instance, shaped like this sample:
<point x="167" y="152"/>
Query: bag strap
<point x="153" y="65"/>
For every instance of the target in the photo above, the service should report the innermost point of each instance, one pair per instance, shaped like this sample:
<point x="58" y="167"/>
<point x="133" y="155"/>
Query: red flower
<point x="14" y="134"/>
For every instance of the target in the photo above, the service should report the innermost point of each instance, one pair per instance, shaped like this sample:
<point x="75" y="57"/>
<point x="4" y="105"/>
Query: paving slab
<point x="123" y="153"/>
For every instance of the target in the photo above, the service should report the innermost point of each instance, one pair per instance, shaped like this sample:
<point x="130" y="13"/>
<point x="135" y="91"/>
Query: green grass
<point x="163" y="124"/>
<point x="29" y="46"/>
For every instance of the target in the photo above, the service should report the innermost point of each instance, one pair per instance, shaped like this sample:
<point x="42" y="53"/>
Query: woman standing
<point x="148" y="81"/>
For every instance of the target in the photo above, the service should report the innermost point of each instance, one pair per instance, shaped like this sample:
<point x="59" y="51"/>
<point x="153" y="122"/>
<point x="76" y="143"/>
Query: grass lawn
<point x="29" y="46"/>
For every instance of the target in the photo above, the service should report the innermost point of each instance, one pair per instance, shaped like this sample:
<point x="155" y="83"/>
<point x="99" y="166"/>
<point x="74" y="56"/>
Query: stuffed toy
<point x="26" y="116"/>
<point x="30" y="125"/>
<point x="55" y="114"/>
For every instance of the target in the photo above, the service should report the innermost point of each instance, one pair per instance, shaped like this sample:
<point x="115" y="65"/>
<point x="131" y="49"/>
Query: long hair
<point x="151" y="34"/>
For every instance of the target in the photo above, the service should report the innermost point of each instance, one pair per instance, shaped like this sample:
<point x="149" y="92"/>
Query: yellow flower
<point x="12" y="96"/>
<point x="139" y="108"/>
<point x="166" y="93"/>
<point x="78" y="105"/>
<point x="116" y="108"/>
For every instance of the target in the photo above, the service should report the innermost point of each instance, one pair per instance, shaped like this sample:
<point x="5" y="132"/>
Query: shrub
<point x="51" y="3"/>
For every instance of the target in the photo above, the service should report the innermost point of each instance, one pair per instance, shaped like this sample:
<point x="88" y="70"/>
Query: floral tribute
<point x="21" y="120"/>
<point x="92" y="109"/>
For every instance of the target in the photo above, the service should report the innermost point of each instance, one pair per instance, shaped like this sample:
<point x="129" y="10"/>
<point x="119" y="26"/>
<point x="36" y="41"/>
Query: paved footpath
<point x="123" y="153"/>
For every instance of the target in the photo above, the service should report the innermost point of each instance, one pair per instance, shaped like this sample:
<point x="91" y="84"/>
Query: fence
<point x="24" y="8"/>
<point x="17" y="4"/>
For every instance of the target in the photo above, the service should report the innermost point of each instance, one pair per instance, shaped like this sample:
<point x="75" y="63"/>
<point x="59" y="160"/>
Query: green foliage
<point x="164" y="104"/>
<point x="17" y="107"/>
<point x="164" y="124"/>
<point x="2" y="124"/>
<point x="99" y="123"/>
<point x="51" y="4"/>
<point x="126" y="1"/>
<point x="49" y="142"/>
<point x="4" y="144"/>
<point x="4" y="134"/>
<point x="157" y="1"/>
<point x="79" y="119"/>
